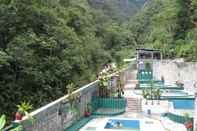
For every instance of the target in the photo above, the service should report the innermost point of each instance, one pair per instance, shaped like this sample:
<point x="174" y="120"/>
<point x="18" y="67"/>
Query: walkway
<point x="163" y="124"/>
<point x="137" y="109"/>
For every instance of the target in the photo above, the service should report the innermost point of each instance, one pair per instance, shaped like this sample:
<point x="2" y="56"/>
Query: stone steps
<point x="134" y="105"/>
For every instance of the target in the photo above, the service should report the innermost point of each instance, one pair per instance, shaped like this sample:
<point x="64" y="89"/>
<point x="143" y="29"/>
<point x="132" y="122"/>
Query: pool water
<point x="131" y="125"/>
<point x="174" y="93"/>
<point x="183" y="104"/>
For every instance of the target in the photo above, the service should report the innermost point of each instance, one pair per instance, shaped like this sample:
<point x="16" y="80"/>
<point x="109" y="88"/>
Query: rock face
<point x="120" y="10"/>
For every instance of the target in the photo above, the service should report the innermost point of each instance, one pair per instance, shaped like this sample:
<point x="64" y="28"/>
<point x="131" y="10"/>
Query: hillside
<point x="169" y="25"/>
<point x="118" y="10"/>
<point x="45" y="45"/>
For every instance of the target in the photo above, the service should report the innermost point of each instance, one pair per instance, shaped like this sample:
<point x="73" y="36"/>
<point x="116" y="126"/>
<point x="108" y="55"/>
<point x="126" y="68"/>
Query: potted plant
<point x="87" y="112"/>
<point x="23" y="109"/>
<point x="2" y="122"/>
<point x="17" y="127"/>
<point x="188" y="123"/>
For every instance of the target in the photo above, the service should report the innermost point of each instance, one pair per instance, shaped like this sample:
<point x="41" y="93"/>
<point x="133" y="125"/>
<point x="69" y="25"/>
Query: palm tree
<point x="158" y="95"/>
<point x="103" y="84"/>
<point x="71" y="97"/>
<point x="145" y="94"/>
<point x="151" y="91"/>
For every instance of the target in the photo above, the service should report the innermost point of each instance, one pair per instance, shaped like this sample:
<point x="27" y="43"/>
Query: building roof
<point x="143" y="49"/>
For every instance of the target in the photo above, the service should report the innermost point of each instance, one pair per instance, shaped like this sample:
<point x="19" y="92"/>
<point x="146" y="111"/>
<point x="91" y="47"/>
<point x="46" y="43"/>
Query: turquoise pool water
<point x="174" y="93"/>
<point x="131" y="125"/>
<point x="183" y="104"/>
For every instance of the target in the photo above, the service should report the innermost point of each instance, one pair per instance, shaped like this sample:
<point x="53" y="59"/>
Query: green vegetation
<point x="145" y="94"/>
<point x="158" y="94"/>
<point x="169" y="25"/>
<point x="24" y="108"/>
<point x="118" y="10"/>
<point x="2" y="122"/>
<point x="47" y="44"/>
<point x="72" y="98"/>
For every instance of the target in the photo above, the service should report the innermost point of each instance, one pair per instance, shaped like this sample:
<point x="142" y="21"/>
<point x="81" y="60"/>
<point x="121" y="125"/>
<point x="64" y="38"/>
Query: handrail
<point x="66" y="96"/>
<point x="57" y="101"/>
<point x="35" y="113"/>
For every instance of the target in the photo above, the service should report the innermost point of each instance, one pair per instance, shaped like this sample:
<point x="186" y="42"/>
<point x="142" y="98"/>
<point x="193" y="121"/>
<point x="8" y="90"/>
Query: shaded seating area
<point x="108" y="106"/>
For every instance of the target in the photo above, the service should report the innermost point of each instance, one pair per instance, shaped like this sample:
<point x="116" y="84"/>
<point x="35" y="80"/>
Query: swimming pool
<point x="131" y="125"/>
<point x="171" y="94"/>
<point x="183" y="104"/>
<point x="174" y="93"/>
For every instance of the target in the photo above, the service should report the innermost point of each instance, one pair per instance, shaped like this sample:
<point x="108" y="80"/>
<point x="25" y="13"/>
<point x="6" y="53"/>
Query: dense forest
<point x="169" y="25"/>
<point x="46" y="44"/>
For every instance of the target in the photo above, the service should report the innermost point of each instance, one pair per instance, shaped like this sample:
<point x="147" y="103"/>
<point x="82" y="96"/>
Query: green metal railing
<point x="145" y="75"/>
<point x="178" y="119"/>
<point x="108" y="106"/>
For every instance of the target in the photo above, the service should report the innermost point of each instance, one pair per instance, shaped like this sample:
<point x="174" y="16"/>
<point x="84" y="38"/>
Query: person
<point x="118" y="125"/>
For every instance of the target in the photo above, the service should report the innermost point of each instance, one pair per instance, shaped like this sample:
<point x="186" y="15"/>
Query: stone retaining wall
<point x="183" y="71"/>
<point x="56" y="115"/>
<point x="172" y="71"/>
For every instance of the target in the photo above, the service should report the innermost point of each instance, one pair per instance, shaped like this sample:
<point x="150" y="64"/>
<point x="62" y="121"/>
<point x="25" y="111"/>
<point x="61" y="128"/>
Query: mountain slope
<point x="169" y="25"/>
<point x="119" y="10"/>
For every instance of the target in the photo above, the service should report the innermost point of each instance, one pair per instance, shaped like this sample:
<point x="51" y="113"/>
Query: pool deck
<point x="153" y="122"/>
<point x="146" y="124"/>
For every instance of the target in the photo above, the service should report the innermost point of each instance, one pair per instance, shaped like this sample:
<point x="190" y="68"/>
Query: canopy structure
<point x="148" y="54"/>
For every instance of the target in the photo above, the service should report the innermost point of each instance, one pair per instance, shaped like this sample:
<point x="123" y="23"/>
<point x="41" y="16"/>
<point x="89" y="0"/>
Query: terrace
<point x="127" y="99"/>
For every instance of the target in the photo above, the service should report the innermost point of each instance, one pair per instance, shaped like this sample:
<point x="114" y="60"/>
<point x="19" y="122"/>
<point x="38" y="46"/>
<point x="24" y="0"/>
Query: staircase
<point x="134" y="105"/>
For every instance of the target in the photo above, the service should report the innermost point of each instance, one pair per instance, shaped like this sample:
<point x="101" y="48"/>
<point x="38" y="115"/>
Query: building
<point x="148" y="54"/>
<point x="144" y="56"/>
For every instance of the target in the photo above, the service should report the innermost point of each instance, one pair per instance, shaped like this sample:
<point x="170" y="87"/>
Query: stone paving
<point x="153" y="122"/>
<point x="156" y="109"/>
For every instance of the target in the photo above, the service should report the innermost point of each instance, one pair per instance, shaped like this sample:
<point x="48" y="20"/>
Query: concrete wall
<point x="195" y="114"/>
<point x="56" y="115"/>
<point x="183" y="71"/>
<point x="172" y="71"/>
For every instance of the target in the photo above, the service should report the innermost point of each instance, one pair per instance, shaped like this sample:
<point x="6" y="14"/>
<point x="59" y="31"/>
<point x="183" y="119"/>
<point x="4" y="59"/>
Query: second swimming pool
<point x="131" y="125"/>
<point x="183" y="104"/>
